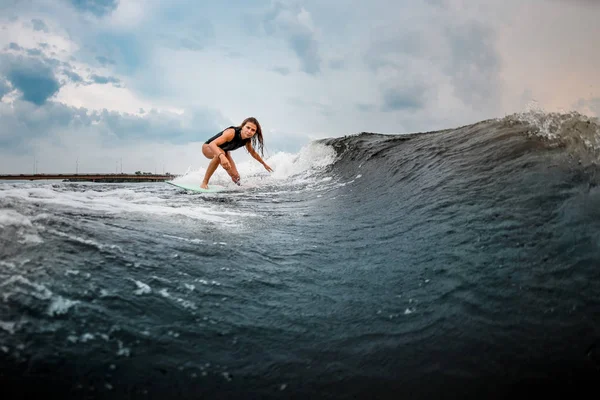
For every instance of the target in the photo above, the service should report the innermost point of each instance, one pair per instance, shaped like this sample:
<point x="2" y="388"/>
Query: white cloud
<point x="26" y="36"/>
<point x="130" y="14"/>
<point x="98" y="97"/>
<point x="294" y="24"/>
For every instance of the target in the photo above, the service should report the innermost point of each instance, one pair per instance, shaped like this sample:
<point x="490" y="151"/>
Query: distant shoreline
<point x="103" y="178"/>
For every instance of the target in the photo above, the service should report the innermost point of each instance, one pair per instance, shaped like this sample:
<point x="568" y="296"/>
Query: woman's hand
<point x="224" y="162"/>
<point x="268" y="168"/>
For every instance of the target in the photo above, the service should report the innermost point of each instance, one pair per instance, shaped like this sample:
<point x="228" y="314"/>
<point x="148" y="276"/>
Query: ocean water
<point x="463" y="263"/>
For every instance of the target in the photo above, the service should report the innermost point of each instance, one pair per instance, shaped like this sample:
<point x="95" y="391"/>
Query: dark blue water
<point x="454" y="264"/>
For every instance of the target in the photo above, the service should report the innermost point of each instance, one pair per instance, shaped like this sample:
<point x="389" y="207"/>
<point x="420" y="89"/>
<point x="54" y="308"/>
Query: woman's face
<point x="248" y="130"/>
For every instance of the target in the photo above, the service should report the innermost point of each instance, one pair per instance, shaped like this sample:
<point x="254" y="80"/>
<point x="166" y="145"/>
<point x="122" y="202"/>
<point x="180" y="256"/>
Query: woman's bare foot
<point x="204" y="185"/>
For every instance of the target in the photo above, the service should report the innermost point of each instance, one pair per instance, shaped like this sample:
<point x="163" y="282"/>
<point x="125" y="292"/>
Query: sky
<point x="128" y="85"/>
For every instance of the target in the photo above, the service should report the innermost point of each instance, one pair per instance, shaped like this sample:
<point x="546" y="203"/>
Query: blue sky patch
<point x="96" y="7"/>
<point x="39" y="25"/>
<point x="34" y="79"/>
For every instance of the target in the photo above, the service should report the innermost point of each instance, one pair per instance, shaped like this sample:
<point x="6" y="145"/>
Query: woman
<point x="218" y="148"/>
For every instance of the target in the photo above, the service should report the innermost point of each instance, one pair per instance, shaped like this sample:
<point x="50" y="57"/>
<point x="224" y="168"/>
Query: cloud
<point x="105" y="79"/>
<point x="321" y="107"/>
<point x="403" y="98"/>
<point x="127" y="50"/>
<point x="295" y="25"/>
<point x="39" y="25"/>
<point x="56" y="135"/>
<point x="192" y="39"/>
<point x="414" y="62"/>
<point x="73" y="76"/>
<point x="474" y="64"/>
<point x="23" y="121"/>
<point x="4" y="88"/>
<point x="282" y="70"/>
<point x="337" y="63"/>
<point x="436" y="3"/>
<point x="159" y="126"/>
<point x="365" y="107"/>
<point x="104" y="61"/>
<point x="183" y="29"/>
<point x="34" y="52"/>
<point x="38" y="58"/>
<point x="32" y="77"/>
<point x="594" y="106"/>
<point x="276" y="141"/>
<point x="591" y="106"/>
<point x="99" y="8"/>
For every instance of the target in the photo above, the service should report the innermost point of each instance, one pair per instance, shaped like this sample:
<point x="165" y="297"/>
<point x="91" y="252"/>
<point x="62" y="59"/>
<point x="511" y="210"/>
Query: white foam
<point x="194" y="241"/>
<point x="142" y="288"/>
<point x="87" y="337"/>
<point x="25" y="231"/>
<point x="18" y="284"/>
<point x="8" y="326"/>
<point x="550" y="125"/>
<point x="123" y="351"/>
<point x="13" y="218"/>
<point x="60" y="306"/>
<point x="286" y="166"/>
<point x="10" y="265"/>
<point x="77" y="239"/>
<point x="186" y="304"/>
<point x="311" y="158"/>
<point x="158" y="278"/>
<point x="205" y="282"/>
<point x="31" y="238"/>
<point x="39" y="291"/>
<point x="111" y="202"/>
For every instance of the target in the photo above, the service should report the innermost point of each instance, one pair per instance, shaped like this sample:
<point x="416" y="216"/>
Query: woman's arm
<point x="224" y="138"/>
<point x="257" y="157"/>
<point x="227" y="136"/>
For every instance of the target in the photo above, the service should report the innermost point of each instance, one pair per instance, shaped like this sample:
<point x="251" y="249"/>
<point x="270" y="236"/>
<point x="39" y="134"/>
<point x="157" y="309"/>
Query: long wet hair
<point x="257" y="139"/>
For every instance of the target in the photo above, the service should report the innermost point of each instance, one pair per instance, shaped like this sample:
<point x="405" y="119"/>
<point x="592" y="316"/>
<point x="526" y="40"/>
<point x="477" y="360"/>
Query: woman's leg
<point x="212" y="165"/>
<point x="233" y="172"/>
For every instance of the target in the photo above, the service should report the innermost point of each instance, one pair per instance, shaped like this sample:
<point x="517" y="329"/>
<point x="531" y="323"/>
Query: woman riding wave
<point x="218" y="148"/>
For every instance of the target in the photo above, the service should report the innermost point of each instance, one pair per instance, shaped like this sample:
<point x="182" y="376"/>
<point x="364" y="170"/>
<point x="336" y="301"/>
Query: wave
<point x="487" y="149"/>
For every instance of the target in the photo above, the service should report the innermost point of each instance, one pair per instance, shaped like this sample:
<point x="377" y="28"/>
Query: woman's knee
<point x="207" y="151"/>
